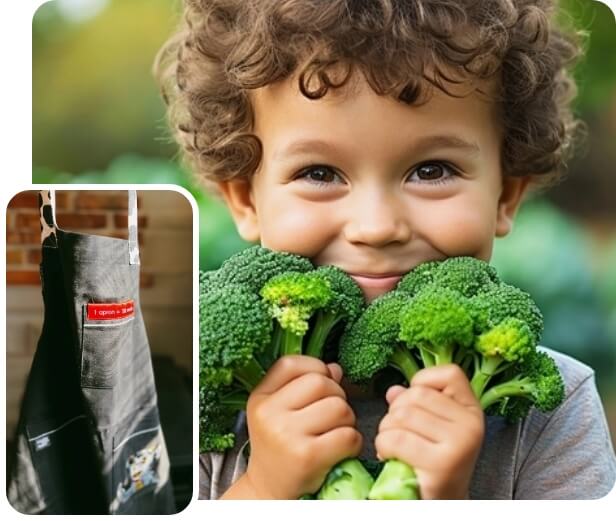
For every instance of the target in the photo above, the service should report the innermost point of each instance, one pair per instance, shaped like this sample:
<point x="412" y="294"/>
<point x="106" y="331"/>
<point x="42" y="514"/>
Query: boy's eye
<point x="435" y="172"/>
<point x="320" y="175"/>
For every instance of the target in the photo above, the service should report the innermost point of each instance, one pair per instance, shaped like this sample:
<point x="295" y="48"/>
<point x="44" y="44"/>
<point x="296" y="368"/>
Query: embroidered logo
<point x="110" y="310"/>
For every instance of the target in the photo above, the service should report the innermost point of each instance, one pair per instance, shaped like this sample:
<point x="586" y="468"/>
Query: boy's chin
<point x="371" y="294"/>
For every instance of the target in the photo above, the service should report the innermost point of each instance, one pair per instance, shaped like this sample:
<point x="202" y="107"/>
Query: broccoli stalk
<point x="536" y="379"/>
<point x="292" y="299"/>
<point x="349" y="479"/>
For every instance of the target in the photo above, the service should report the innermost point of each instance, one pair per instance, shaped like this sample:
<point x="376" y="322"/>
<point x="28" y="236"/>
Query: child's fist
<point x="437" y="426"/>
<point x="300" y="425"/>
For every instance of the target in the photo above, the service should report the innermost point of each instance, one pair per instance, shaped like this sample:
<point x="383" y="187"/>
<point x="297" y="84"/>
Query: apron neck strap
<point x="49" y="238"/>
<point x="133" y="230"/>
<point x="47" y="209"/>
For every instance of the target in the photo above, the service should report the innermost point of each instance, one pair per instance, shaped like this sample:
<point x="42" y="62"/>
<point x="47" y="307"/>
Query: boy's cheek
<point x="296" y="230"/>
<point x="460" y="231"/>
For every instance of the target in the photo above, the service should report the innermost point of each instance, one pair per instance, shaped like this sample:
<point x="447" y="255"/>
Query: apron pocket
<point x="101" y="345"/>
<point x="140" y="467"/>
<point x="66" y="463"/>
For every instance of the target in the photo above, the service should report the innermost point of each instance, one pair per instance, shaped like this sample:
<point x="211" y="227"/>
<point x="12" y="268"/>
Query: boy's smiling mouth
<point x="375" y="284"/>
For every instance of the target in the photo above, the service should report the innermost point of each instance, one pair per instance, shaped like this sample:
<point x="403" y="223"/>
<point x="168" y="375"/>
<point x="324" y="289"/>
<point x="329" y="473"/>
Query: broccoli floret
<point x="419" y="277"/>
<point x="254" y="266"/>
<point x="218" y="408"/>
<point x="536" y="379"/>
<point x="234" y="328"/>
<point x="292" y="299"/>
<point x="508" y="342"/>
<point x="505" y="301"/>
<point x="466" y="275"/>
<point x="326" y="295"/>
<point x="372" y="343"/>
<point x="437" y="321"/>
<point x="345" y="305"/>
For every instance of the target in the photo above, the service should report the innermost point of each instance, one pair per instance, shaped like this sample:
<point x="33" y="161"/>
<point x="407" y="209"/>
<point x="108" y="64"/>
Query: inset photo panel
<point x="99" y="322"/>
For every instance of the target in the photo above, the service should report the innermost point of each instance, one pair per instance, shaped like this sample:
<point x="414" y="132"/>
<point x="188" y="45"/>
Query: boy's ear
<point x="510" y="199"/>
<point x="237" y="194"/>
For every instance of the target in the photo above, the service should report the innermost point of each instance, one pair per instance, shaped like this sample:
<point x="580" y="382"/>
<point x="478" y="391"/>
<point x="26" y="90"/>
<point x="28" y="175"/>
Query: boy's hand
<point x="300" y="425"/>
<point x="437" y="426"/>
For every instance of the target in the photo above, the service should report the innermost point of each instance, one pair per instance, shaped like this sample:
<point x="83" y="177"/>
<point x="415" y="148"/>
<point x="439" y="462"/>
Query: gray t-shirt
<point x="566" y="454"/>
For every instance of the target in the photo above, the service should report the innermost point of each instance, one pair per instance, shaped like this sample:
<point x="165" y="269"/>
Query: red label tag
<point x="111" y="310"/>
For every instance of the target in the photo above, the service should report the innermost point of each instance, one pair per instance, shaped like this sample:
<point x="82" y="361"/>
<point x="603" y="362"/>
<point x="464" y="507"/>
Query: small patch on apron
<point x="42" y="443"/>
<point x="110" y="310"/>
<point x="141" y="470"/>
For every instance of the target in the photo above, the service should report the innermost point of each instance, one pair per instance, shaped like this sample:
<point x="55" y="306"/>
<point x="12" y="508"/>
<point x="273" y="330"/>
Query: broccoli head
<point x="255" y="265"/>
<point x="372" y="342"/>
<point x="234" y="327"/>
<point x="437" y="321"/>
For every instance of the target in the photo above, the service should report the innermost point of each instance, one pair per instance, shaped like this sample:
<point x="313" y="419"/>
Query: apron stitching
<point x="57" y="429"/>
<point x="133" y="435"/>
<point x="109" y="325"/>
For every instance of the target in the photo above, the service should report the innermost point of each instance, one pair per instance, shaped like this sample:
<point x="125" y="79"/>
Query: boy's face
<point x="374" y="186"/>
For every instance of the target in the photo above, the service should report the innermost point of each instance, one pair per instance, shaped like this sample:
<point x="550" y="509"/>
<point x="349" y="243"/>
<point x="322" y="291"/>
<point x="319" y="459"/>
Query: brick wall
<point x="101" y="213"/>
<point x="165" y="239"/>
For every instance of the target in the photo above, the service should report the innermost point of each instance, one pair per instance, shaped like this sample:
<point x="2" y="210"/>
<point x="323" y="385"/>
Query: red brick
<point x="34" y="256"/>
<point x="29" y="238"/>
<point x="14" y="256"/>
<point x="80" y="220"/>
<point x="28" y="221"/>
<point x="27" y="199"/>
<point x="23" y="278"/>
<point x="102" y="200"/>
<point x="120" y="220"/>
<point x="62" y="200"/>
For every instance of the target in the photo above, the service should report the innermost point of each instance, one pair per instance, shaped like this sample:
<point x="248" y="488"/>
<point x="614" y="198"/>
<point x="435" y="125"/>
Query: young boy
<point x="374" y="136"/>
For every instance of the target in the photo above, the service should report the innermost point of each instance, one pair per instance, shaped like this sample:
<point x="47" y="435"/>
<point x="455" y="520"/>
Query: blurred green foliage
<point x="93" y="92"/>
<point x="596" y="72"/>
<point x="548" y="255"/>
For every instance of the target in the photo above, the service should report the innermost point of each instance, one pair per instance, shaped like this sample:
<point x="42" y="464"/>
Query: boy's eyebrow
<point x="422" y="144"/>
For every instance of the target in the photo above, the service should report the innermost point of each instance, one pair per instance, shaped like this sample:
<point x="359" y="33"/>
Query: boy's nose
<point x="378" y="220"/>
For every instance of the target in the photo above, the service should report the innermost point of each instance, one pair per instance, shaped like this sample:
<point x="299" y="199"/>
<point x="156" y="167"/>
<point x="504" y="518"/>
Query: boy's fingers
<point x="335" y="372"/>
<point x="338" y="444"/>
<point x="406" y="446"/>
<point x="286" y="369"/>
<point x="393" y="392"/>
<point x="307" y="389"/>
<point x="448" y="379"/>
<point x="325" y="415"/>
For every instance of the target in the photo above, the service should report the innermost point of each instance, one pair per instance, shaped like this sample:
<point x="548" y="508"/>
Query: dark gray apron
<point x="89" y="438"/>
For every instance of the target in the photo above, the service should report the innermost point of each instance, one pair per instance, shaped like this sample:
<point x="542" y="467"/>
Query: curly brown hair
<point x="404" y="48"/>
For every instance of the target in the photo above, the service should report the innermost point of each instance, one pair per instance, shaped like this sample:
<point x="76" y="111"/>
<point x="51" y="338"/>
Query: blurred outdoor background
<point x="98" y="117"/>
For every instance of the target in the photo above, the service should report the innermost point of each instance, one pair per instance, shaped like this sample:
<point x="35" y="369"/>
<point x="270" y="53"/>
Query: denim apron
<point x="89" y="438"/>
